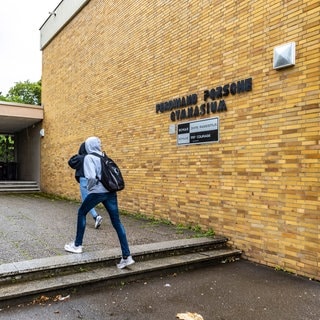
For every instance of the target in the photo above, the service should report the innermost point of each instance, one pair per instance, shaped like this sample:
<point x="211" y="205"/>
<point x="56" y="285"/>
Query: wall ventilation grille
<point x="284" y="55"/>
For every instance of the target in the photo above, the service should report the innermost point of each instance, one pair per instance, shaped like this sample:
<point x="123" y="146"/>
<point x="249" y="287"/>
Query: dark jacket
<point x="76" y="162"/>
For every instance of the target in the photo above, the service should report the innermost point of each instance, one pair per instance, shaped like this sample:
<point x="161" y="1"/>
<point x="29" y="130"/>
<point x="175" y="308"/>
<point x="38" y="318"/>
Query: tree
<point x="7" y="148"/>
<point x="24" y="92"/>
<point x="2" y="98"/>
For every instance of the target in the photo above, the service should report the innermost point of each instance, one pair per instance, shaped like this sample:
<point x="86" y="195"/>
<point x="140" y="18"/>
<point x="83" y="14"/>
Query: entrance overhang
<point x="15" y="117"/>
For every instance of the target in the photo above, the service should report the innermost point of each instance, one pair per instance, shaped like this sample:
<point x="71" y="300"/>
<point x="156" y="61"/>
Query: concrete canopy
<point x="15" y="117"/>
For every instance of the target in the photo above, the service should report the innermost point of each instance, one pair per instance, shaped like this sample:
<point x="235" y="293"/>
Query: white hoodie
<point x="92" y="166"/>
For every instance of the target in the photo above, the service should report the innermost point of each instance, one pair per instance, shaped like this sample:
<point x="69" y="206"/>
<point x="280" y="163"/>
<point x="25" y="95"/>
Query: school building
<point x="210" y="108"/>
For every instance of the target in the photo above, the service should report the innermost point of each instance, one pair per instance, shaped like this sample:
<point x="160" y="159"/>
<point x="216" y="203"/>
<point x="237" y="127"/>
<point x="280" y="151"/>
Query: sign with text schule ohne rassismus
<point x="200" y="131"/>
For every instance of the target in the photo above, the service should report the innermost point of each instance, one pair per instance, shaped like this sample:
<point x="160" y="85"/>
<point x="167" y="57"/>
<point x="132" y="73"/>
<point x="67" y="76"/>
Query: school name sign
<point x="214" y="101"/>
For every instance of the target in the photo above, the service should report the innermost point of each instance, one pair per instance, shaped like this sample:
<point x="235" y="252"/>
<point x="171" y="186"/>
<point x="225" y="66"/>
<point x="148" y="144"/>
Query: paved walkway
<point x="36" y="227"/>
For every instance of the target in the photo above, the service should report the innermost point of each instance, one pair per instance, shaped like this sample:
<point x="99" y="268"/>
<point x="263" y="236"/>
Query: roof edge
<point x="59" y="18"/>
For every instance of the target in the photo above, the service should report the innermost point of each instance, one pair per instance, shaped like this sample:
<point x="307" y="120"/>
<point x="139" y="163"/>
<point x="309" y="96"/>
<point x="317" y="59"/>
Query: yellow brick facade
<point x="106" y="71"/>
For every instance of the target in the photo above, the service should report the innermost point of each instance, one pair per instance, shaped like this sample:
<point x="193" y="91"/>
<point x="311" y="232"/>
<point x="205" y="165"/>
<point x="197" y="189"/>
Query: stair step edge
<point x="12" y="291"/>
<point x="70" y="260"/>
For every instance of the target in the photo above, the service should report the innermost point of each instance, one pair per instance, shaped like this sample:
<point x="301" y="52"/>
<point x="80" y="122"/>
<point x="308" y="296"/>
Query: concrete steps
<point x="34" y="277"/>
<point x="18" y="186"/>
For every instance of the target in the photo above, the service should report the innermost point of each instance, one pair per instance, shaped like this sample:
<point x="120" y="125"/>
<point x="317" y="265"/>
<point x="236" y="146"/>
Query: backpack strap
<point x="99" y="155"/>
<point x="95" y="154"/>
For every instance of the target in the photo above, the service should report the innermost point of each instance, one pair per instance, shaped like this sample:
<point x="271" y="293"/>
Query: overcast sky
<point x="20" y="55"/>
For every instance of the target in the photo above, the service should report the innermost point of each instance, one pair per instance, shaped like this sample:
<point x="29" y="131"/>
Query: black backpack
<point x="111" y="176"/>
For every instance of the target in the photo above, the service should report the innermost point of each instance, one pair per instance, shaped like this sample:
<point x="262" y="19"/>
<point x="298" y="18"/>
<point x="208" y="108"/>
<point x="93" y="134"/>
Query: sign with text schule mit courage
<point x="200" y="131"/>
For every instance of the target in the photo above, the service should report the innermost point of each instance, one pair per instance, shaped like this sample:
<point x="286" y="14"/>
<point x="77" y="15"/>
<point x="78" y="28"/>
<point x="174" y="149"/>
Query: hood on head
<point x="82" y="149"/>
<point x="93" y="144"/>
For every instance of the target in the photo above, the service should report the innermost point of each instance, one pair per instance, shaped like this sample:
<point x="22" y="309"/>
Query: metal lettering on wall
<point x="200" y="131"/>
<point x="189" y="106"/>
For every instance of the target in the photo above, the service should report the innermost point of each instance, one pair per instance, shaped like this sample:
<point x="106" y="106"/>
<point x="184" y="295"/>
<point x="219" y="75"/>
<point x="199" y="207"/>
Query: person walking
<point x="97" y="193"/>
<point x="76" y="162"/>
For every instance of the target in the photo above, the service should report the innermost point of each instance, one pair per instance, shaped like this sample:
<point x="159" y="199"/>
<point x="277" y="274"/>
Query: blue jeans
<point x="84" y="193"/>
<point x="110" y="202"/>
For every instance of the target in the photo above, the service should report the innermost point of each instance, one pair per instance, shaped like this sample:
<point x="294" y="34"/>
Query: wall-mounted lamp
<point x="284" y="55"/>
<point x="42" y="133"/>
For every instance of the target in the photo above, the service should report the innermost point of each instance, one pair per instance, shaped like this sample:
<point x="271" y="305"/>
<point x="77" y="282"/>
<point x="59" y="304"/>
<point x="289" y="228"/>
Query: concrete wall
<point x="107" y="70"/>
<point x="28" y="153"/>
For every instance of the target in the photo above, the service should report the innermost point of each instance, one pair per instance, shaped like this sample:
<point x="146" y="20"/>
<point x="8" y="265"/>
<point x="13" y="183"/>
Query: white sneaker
<point x="98" y="222"/>
<point x="70" y="247"/>
<point x="125" y="262"/>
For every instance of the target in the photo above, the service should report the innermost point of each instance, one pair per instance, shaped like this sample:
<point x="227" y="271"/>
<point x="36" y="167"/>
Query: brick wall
<point x="108" y="68"/>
